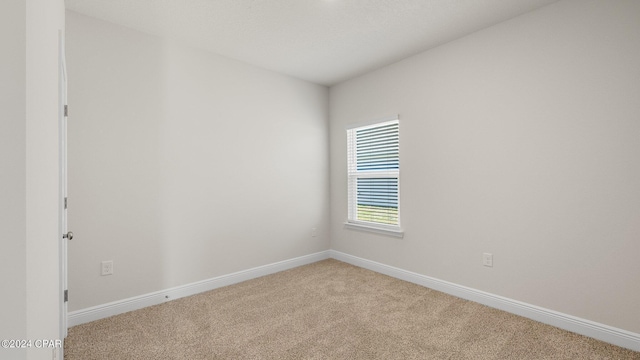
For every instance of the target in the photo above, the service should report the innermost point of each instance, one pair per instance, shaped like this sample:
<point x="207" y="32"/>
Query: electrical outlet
<point x="487" y="259"/>
<point x="314" y="232"/>
<point x="107" y="268"/>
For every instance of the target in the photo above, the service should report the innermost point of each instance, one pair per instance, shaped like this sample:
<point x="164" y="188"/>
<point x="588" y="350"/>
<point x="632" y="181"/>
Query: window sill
<point x="395" y="232"/>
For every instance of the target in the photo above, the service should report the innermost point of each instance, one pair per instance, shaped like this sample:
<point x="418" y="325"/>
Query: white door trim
<point x="62" y="212"/>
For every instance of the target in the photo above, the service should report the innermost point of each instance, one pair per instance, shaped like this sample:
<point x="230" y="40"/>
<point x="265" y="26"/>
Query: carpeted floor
<point x="327" y="310"/>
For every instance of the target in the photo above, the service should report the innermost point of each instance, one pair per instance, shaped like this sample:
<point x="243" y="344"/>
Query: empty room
<point x="321" y="179"/>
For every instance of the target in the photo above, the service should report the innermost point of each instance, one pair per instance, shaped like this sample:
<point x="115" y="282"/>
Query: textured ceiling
<point x="322" y="41"/>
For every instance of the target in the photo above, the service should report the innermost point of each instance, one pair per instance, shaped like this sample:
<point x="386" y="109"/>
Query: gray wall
<point x="13" y="282"/>
<point x="521" y="140"/>
<point x="29" y="200"/>
<point x="185" y="165"/>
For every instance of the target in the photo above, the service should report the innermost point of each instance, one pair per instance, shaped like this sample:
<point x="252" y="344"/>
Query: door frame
<point x="62" y="209"/>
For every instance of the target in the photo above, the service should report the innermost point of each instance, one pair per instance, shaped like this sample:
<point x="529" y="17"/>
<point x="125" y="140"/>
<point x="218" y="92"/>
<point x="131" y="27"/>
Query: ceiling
<point x="322" y="41"/>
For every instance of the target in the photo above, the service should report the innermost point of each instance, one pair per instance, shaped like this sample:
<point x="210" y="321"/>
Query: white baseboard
<point x="138" y="302"/>
<point x="571" y="323"/>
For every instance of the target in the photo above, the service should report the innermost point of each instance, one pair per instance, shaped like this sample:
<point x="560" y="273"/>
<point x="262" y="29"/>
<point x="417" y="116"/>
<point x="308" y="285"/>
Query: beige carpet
<point x="327" y="310"/>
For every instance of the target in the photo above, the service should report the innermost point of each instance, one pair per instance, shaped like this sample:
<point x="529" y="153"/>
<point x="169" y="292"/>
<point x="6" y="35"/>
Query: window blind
<point x="373" y="171"/>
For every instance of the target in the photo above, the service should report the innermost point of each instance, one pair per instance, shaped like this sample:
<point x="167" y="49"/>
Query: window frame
<point x="353" y="175"/>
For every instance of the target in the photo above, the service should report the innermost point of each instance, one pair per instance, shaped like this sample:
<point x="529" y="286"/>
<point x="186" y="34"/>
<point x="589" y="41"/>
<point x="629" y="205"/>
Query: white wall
<point x="521" y="140"/>
<point x="13" y="312"/>
<point x="184" y="165"/>
<point x="44" y="19"/>
<point x="29" y="194"/>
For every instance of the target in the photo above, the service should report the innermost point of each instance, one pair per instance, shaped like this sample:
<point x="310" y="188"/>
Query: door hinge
<point x="65" y="203"/>
<point x="66" y="295"/>
<point x="66" y="110"/>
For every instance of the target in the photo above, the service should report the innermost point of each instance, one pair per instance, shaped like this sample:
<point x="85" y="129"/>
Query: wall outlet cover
<point x="107" y="268"/>
<point x="487" y="259"/>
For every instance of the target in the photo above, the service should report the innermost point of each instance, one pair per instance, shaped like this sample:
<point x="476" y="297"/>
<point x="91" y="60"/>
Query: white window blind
<point x="373" y="174"/>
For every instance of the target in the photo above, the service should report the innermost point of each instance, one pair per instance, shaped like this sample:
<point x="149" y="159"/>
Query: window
<point x="373" y="161"/>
